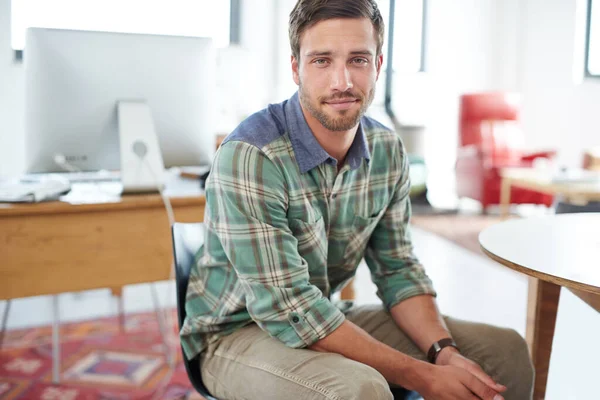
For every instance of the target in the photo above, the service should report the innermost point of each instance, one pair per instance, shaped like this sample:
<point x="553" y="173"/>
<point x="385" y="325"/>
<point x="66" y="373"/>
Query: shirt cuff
<point x="400" y="287"/>
<point x="311" y="326"/>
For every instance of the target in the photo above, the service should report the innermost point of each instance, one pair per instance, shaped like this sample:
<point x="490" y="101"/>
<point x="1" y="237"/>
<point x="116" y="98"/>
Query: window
<point x="166" y="17"/>
<point x="592" y="51"/>
<point x="406" y="20"/>
<point x="408" y="37"/>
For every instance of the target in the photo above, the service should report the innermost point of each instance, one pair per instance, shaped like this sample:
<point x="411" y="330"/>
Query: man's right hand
<point x="433" y="382"/>
<point x="449" y="382"/>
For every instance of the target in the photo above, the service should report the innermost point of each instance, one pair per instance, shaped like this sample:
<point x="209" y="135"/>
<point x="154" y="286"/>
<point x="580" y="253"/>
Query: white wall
<point x="459" y="53"/>
<point x="558" y="110"/>
<point x="12" y="97"/>
<point x="258" y="35"/>
<point x="473" y="45"/>
<point x="255" y="56"/>
<point x="461" y="57"/>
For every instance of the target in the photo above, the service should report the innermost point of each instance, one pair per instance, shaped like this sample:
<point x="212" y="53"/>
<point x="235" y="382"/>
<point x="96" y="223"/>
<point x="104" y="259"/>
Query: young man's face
<point x="337" y="71"/>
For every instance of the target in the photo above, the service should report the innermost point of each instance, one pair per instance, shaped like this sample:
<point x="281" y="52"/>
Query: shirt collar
<point x="309" y="153"/>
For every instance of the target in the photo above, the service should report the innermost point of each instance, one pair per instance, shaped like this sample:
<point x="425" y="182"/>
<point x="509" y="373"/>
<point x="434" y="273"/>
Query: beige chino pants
<point x="249" y="364"/>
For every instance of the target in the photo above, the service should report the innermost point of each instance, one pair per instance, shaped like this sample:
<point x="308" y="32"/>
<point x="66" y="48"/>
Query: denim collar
<point x="309" y="153"/>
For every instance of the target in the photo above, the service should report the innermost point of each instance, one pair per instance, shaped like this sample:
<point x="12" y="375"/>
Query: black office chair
<point x="186" y="241"/>
<point x="187" y="238"/>
<point x="403" y="394"/>
<point x="562" y="207"/>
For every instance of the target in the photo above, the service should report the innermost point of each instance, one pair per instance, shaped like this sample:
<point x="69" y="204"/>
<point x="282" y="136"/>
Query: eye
<point x="360" y="61"/>
<point x="320" y="61"/>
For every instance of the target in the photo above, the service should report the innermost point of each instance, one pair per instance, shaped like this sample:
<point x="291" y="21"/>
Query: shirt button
<point x="295" y="319"/>
<point x="333" y="195"/>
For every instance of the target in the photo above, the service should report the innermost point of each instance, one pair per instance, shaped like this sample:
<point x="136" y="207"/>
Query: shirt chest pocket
<point x="362" y="229"/>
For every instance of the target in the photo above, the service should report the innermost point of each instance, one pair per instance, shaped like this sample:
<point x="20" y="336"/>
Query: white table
<point x="533" y="179"/>
<point x="554" y="251"/>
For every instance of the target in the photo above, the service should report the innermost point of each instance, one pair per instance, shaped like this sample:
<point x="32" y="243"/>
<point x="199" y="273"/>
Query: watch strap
<point x="436" y="347"/>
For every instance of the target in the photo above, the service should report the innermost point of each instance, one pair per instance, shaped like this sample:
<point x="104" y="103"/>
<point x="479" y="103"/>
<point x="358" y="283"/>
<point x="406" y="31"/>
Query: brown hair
<point x="307" y="13"/>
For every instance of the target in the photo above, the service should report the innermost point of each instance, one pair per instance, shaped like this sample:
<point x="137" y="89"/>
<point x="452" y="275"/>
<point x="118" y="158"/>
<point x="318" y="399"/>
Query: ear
<point x="295" y="72"/>
<point x="379" y="64"/>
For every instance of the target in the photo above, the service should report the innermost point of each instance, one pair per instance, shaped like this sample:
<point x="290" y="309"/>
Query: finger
<point x="485" y="378"/>
<point x="466" y="394"/>
<point x="481" y="389"/>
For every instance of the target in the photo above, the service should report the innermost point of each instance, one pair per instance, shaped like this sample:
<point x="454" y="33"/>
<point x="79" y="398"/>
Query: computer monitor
<point x="76" y="79"/>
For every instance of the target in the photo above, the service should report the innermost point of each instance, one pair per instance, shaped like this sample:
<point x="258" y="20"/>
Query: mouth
<point x="341" y="104"/>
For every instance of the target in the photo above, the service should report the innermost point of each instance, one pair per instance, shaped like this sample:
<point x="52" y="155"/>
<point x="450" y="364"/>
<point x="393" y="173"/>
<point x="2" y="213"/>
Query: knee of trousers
<point x="513" y="363"/>
<point x="365" y="383"/>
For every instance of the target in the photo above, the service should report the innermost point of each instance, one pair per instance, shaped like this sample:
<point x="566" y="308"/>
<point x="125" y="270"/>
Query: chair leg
<point x="4" y="322"/>
<point x="118" y="293"/>
<point x="55" y="341"/>
<point x="161" y="325"/>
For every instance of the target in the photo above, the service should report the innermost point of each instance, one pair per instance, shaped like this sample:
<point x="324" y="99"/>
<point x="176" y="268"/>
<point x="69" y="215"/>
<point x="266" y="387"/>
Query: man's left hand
<point x="451" y="356"/>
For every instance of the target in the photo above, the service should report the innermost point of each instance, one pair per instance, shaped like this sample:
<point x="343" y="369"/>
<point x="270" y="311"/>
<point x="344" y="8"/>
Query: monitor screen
<point x="75" y="79"/>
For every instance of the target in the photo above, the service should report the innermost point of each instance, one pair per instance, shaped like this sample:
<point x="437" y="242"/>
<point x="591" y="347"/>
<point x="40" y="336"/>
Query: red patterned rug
<point x="462" y="229"/>
<point x="98" y="362"/>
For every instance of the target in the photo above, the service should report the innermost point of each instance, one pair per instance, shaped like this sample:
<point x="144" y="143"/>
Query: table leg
<point x="348" y="291"/>
<point x="4" y="322"/>
<point x="591" y="299"/>
<point x="55" y="341"/>
<point x="505" y="197"/>
<point x="118" y="293"/>
<point x="162" y="327"/>
<point x="541" y="320"/>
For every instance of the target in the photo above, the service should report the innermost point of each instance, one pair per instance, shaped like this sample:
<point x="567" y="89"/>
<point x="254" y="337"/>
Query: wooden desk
<point x="530" y="178"/>
<point x="554" y="251"/>
<point x="94" y="238"/>
<point x="56" y="247"/>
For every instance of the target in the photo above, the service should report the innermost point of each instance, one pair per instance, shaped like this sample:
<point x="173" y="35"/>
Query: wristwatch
<point x="436" y="347"/>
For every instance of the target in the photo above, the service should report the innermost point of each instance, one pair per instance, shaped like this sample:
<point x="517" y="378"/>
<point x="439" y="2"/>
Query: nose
<point x="341" y="79"/>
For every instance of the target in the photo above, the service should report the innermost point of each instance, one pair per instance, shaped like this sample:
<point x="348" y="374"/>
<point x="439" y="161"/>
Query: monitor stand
<point x="142" y="167"/>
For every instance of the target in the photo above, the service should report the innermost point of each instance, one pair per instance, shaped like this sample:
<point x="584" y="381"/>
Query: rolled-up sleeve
<point x="247" y="196"/>
<point x="395" y="269"/>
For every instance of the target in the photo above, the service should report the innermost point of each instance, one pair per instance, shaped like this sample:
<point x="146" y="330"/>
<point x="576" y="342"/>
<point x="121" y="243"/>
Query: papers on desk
<point x="20" y="191"/>
<point x="46" y="187"/>
<point x="94" y="193"/>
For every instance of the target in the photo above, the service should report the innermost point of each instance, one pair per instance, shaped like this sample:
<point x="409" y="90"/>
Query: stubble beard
<point x="347" y="120"/>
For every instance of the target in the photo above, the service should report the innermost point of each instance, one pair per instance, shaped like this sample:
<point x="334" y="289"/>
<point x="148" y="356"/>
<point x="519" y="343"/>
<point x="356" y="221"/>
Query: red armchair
<point x="490" y="140"/>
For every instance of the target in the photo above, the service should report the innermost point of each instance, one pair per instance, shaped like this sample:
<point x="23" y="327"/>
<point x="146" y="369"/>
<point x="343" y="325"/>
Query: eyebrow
<point x="329" y="53"/>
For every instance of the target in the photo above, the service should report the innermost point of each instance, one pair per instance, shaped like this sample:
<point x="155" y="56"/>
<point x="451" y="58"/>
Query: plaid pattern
<point x="285" y="230"/>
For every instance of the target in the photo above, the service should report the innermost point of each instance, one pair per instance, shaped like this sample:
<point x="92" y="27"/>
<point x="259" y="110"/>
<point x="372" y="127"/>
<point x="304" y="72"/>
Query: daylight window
<point x="206" y="18"/>
<point x="593" y="39"/>
<point x="408" y="34"/>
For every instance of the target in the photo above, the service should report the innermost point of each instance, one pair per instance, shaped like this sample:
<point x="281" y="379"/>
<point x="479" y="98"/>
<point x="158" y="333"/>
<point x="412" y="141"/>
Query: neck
<point x="336" y="143"/>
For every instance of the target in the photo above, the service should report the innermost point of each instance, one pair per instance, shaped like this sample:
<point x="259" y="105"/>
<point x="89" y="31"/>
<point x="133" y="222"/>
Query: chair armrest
<point x="539" y="154"/>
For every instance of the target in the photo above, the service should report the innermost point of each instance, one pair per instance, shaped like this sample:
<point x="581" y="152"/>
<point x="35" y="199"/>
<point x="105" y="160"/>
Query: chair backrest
<point x="187" y="239"/>
<point x="490" y="122"/>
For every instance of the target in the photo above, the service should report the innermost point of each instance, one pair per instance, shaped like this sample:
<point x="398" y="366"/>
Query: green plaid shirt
<point x="284" y="230"/>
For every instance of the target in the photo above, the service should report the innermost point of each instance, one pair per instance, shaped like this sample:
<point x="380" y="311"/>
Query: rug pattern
<point x="462" y="229"/>
<point x="99" y="361"/>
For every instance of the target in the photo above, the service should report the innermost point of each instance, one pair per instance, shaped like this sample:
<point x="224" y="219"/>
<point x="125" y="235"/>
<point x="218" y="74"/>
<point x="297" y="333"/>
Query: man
<point x="298" y="194"/>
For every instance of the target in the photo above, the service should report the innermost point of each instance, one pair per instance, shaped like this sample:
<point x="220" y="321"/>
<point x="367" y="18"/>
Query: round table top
<point x="563" y="249"/>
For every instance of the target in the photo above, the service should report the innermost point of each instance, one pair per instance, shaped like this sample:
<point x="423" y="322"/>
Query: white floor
<point x="469" y="286"/>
